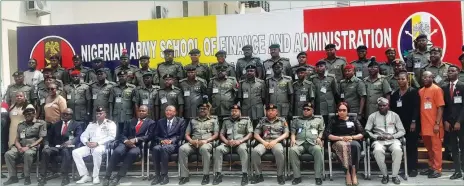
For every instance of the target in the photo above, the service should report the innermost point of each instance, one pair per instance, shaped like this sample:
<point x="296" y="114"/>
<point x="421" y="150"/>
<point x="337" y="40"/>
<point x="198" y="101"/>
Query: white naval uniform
<point x="101" y="134"/>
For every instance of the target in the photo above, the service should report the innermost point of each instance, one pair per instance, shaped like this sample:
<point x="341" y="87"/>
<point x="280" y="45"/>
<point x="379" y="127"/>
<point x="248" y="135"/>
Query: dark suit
<point x="161" y="152"/>
<point x="454" y="112"/>
<point x="129" y="154"/>
<point x="54" y="138"/>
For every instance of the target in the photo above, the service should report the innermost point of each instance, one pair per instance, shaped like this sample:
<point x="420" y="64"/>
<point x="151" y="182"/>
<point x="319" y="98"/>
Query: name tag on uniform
<point x="42" y="101"/>
<point x="428" y="105"/>
<point x="68" y="96"/>
<point x="268" y="72"/>
<point x="57" y="146"/>
<point x="342" y="95"/>
<point x="417" y="65"/>
<point x="187" y="93"/>
<point x="359" y="74"/>
<point x="313" y="131"/>
<point x="243" y="71"/>
<point x="14" y="113"/>
<point x="22" y="135"/>
<point x="118" y="99"/>
<point x="299" y="130"/>
<point x="145" y="101"/>
<point x="215" y="90"/>
<point x="94" y="96"/>
<point x="164" y="100"/>
<point x="457" y="99"/>
<point x="302" y="97"/>
<point x="323" y="89"/>
<point x="399" y="103"/>
<point x="349" y="124"/>
<point x="271" y="90"/>
<point x="438" y="79"/>
<point x="229" y="131"/>
<point x="296" y="76"/>
<point x="245" y="95"/>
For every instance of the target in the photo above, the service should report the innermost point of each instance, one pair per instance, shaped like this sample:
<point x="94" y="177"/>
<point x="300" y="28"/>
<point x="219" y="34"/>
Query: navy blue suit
<point x="129" y="154"/>
<point x="161" y="152"/>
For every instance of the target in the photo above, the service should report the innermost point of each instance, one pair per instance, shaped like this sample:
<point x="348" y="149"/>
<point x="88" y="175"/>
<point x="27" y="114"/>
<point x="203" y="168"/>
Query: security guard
<point x="59" y="72"/>
<point x="388" y="67"/>
<point x="223" y="91"/>
<point x="302" y="63"/>
<point x="326" y="91"/>
<point x="98" y="64"/>
<point x="138" y="79"/>
<point x="376" y="86"/>
<point x="438" y="68"/>
<point x="101" y="92"/>
<point x="221" y="58"/>
<point x="202" y="69"/>
<point x="361" y="63"/>
<point x="399" y="66"/>
<point x="200" y="132"/>
<point x="18" y="86"/>
<point x="125" y="66"/>
<point x="122" y="99"/>
<point x="235" y="132"/>
<point x="146" y="95"/>
<point x="275" y="57"/>
<point x="84" y="71"/>
<point x="247" y="60"/>
<point x="31" y="132"/>
<point x="307" y="137"/>
<point x="270" y="131"/>
<point x="304" y="91"/>
<point x="353" y="91"/>
<point x="419" y="57"/>
<point x="78" y="97"/>
<point x="334" y="63"/>
<point x="170" y="67"/>
<point x="280" y="92"/>
<point x="252" y="95"/>
<point x="193" y="88"/>
<point x="169" y="95"/>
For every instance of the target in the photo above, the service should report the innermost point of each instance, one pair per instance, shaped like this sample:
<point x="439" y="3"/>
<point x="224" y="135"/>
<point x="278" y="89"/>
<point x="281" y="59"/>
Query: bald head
<point x="427" y="78"/>
<point x="68" y="111"/>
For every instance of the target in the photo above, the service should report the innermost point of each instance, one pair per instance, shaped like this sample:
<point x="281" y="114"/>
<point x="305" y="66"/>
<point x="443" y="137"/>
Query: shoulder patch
<point x="182" y="80"/>
<point x="244" y="117"/>
<point x="354" y="61"/>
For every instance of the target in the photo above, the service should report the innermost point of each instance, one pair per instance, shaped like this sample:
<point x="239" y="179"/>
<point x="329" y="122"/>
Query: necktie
<point x="65" y="129"/>
<point x="452" y="90"/>
<point x="137" y="127"/>
<point x="169" y="125"/>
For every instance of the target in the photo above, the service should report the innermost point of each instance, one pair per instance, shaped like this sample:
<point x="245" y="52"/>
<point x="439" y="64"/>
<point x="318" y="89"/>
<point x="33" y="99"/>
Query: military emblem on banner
<point x="53" y="46"/>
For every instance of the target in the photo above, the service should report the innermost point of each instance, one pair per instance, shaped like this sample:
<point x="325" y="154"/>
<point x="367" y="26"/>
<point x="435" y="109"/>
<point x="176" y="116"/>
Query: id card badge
<point x="349" y="124"/>
<point x="399" y="103"/>
<point x="296" y="76"/>
<point x="299" y="130"/>
<point x="359" y="74"/>
<point x="417" y="65"/>
<point x="14" y="113"/>
<point x="428" y="105"/>
<point x="342" y="95"/>
<point x="94" y="96"/>
<point x="302" y="97"/>
<point x="187" y="93"/>
<point x="271" y="90"/>
<point x="243" y="71"/>
<point x="313" y="131"/>
<point x="215" y="90"/>
<point x="118" y="99"/>
<point x="58" y="146"/>
<point x="145" y="101"/>
<point x="68" y="96"/>
<point x="164" y="100"/>
<point x="71" y="137"/>
<point x="42" y="101"/>
<point x="22" y="134"/>
<point x="229" y="131"/>
<point x="245" y="95"/>
<point x="457" y="99"/>
<point x="323" y="90"/>
<point x="268" y="72"/>
<point x="438" y="79"/>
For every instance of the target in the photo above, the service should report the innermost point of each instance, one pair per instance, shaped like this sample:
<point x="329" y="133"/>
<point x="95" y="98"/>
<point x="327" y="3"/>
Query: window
<point x="226" y="9"/>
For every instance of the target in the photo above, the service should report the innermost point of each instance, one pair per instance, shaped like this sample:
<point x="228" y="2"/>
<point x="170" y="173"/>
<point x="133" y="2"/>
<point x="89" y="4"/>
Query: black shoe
<point x="3" y="176"/>
<point x="11" y="180"/>
<point x="165" y="180"/>
<point x="396" y="181"/>
<point x="434" y="174"/>
<point x="53" y="176"/>
<point x="244" y="180"/>
<point x="183" y="180"/>
<point x="115" y="181"/>
<point x="205" y="180"/>
<point x="456" y="175"/>
<point x="106" y="181"/>
<point x="27" y="180"/>
<point x="65" y="181"/>
<point x="217" y="179"/>
<point x="41" y="181"/>
<point x="318" y="181"/>
<point x="296" y="181"/>
<point x="281" y="180"/>
<point x="156" y="180"/>
<point x="412" y="173"/>
<point x="257" y="179"/>
<point x="426" y="172"/>
<point x="385" y="179"/>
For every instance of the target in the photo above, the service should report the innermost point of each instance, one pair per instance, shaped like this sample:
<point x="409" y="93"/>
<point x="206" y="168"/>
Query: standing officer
<point x="376" y="86"/>
<point x="362" y="62"/>
<point x="125" y="66"/>
<point x="353" y="91"/>
<point x="101" y="92"/>
<point x="221" y="58"/>
<point x="252" y="95"/>
<point x="235" y="133"/>
<point x="122" y="99"/>
<point x="302" y="63"/>
<point x="304" y="91"/>
<point x="280" y="91"/>
<point x="199" y="133"/>
<point x="61" y="137"/>
<point x="388" y="67"/>
<point x="274" y="49"/>
<point x="202" y="69"/>
<point x="98" y="64"/>
<point x="270" y="131"/>
<point x="194" y="88"/>
<point x="400" y="66"/>
<point x="438" y="68"/>
<point x="169" y="95"/>
<point x="135" y="133"/>
<point x="146" y="95"/>
<point x="138" y="80"/>
<point x="307" y="137"/>
<point x="170" y="67"/>
<point x="84" y="71"/>
<point x="59" y="72"/>
<point x="78" y="97"/>
<point x="31" y="132"/>
<point x="18" y="86"/>
<point x="326" y="91"/>
<point x="419" y="58"/>
<point x="222" y="90"/>
<point x="247" y="60"/>
<point x="334" y="63"/>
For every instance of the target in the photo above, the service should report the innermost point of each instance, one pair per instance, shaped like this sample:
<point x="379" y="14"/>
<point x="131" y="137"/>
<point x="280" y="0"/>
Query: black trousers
<point x="161" y="155"/>
<point x="51" y="152"/>
<point x="125" y="154"/>
<point x="412" y="140"/>
<point x="455" y="139"/>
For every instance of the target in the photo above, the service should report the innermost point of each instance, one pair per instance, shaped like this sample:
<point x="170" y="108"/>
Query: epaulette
<point x="233" y="78"/>
<point x="182" y="80"/>
<point x="331" y="75"/>
<point x="40" y="121"/>
<point x="199" y="79"/>
<point x="177" y="63"/>
<point x="157" y="87"/>
<point x="319" y="116"/>
<point x="287" y="77"/>
<point x="111" y="83"/>
<point x="130" y="85"/>
<point x="244" y="117"/>
<point x="296" y="117"/>
<point x="354" y="61"/>
<point x="284" y="58"/>
<point x="133" y="66"/>
<point x="340" y="57"/>
<point x="176" y="88"/>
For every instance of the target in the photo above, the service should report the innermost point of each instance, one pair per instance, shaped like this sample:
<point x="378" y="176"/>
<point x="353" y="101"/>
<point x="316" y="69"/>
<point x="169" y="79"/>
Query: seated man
<point x="94" y="137"/>
<point x="63" y="134"/>
<point x="200" y="132"/>
<point x="306" y="136"/>
<point x="135" y="133"/>
<point x="235" y="133"/>
<point x="269" y="133"/>
<point x="386" y="127"/>
<point x="31" y="132"/>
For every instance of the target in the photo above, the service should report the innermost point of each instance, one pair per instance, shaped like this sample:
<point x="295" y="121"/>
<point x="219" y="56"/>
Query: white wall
<point x="298" y="5"/>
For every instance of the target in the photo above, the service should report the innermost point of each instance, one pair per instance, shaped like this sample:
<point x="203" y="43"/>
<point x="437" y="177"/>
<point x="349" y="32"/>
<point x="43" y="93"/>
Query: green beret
<point x="221" y="52"/>
<point x="274" y="46"/>
<point x="194" y="51"/>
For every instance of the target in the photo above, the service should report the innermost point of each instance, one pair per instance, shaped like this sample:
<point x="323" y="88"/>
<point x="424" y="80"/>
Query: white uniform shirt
<point x="99" y="133"/>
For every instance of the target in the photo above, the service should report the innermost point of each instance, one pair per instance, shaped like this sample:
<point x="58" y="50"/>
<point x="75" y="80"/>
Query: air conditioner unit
<point x="38" y="6"/>
<point x="161" y="12"/>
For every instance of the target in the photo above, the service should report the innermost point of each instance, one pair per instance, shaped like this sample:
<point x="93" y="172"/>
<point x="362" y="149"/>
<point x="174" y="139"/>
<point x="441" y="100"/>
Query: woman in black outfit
<point x="405" y="102"/>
